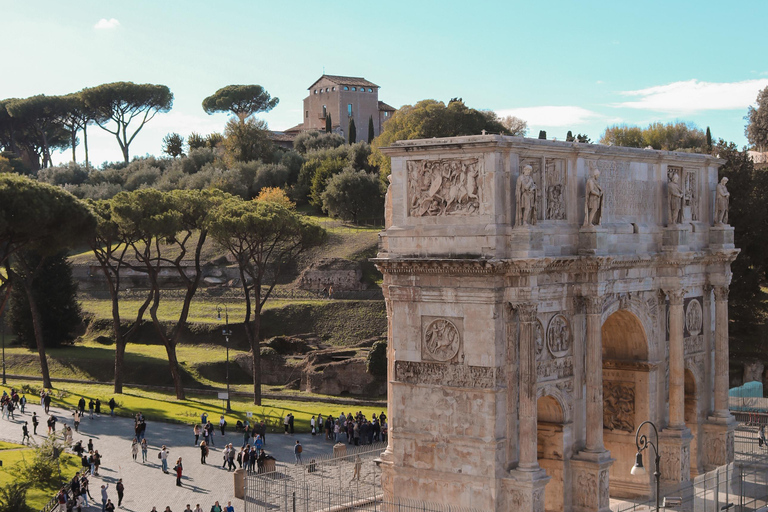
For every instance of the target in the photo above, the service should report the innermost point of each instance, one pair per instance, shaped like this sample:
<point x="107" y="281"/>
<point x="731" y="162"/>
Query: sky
<point x="560" y="65"/>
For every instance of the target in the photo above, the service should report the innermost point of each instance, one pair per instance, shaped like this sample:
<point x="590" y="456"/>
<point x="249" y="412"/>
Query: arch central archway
<point x="627" y="394"/>
<point x="552" y="451"/>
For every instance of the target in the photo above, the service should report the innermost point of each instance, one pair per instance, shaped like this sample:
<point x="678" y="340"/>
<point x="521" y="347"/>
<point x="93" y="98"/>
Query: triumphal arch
<point x="544" y="298"/>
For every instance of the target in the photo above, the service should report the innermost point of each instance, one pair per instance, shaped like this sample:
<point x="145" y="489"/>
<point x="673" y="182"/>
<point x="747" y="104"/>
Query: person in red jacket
<point x="178" y="469"/>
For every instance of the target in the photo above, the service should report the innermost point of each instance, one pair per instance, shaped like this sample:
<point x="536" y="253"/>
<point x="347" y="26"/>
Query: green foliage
<point x="195" y="141"/>
<point x="44" y="470"/>
<point x="514" y="125"/>
<point x="371" y="131"/>
<point x="68" y="174"/>
<point x="431" y="118"/>
<point x="9" y="162"/>
<point x="354" y="195"/>
<point x="242" y="100"/>
<point x="247" y="140"/>
<point x="55" y="292"/>
<point x="313" y="140"/>
<point x="173" y="145"/>
<point x="376" y="363"/>
<point x="675" y="136"/>
<point x="757" y="122"/>
<point x="352" y="131"/>
<point x="709" y="139"/>
<point x="13" y="496"/>
<point x="325" y="169"/>
<point x="124" y="102"/>
<point x="542" y="134"/>
<point x="43" y="118"/>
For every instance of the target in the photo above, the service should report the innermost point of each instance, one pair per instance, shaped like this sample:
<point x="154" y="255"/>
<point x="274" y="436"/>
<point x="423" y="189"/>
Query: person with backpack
<point x="163" y="456"/>
<point x="120" y="491"/>
<point x="112" y="405"/>
<point x="297" y="449"/>
<point x="25" y="432"/>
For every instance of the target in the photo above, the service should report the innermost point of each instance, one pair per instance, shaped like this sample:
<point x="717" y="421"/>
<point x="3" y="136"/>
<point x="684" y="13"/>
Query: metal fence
<point x="348" y="480"/>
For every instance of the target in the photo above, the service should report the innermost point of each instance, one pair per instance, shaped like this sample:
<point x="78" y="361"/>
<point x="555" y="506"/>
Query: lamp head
<point x="638" y="469"/>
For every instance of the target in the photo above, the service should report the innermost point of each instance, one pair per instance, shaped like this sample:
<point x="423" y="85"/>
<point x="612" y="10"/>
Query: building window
<point x="333" y="88"/>
<point x="370" y="90"/>
<point x="326" y="89"/>
<point x="349" y="109"/>
<point x="315" y="91"/>
<point x="306" y="114"/>
<point x="346" y="88"/>
<point x="386" y="114"/>
<point x="324" y="111"/>
<point x="354" y="89"/>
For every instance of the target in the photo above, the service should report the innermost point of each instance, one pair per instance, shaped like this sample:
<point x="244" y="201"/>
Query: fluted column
<point x="528" y="423"/>
<point x="594" y="371"/>
<point x="721" y="351"/>
<point x="676" y="359"/>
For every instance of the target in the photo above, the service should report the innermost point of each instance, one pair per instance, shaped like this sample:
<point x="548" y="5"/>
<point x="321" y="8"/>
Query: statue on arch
<point x="675" y="197"/>
<point x="593" y="201"/>
<point x="525" y="198"/>
<point x="722" y="200"/>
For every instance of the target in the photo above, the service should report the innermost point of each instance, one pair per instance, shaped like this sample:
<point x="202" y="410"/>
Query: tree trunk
<point x="74" y="141"/>
<point x="37" y="325"/>
<point x="119" y="340"/>
<point x="178" y="385"/>
<point x="85" y="143"/>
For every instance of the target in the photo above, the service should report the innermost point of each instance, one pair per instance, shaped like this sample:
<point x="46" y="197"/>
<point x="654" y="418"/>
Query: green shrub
<point x="13" y="497"/>
<point x="376" y="363"/>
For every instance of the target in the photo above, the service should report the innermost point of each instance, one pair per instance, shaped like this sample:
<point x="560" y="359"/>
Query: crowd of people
<point x="355" y="429"/>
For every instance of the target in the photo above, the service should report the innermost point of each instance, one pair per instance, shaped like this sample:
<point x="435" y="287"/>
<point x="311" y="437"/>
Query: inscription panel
<point x="623" y="194"/>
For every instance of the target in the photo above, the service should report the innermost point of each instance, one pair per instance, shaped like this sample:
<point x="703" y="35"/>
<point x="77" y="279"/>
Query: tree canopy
<point x="354" y="195"/>
<point x="432" y="118"/>
<point x="124" y="102"/>
<point x="43" y="117"/>
<point x="673" y="136"/>
<point x="241" y="100"/>
<point x="757" y="125"/>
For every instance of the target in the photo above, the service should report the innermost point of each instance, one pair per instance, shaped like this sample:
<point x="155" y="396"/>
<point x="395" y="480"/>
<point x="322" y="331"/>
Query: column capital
<point x="593" y="305"/>
<point x="721" y="292"/>
<point x="526" y="311"/>
<point x="675" y="296"/>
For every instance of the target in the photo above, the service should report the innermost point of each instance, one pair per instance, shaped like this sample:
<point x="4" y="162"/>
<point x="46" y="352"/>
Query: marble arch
<point x="531" y="296"/>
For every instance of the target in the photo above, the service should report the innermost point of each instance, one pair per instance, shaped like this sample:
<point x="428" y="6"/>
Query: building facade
<point x="544" y="299"/>
<point x="343" y="98"/>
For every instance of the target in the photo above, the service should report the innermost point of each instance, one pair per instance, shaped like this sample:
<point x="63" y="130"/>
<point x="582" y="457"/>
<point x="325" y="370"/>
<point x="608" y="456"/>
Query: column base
<point x="721" y="237"/>
<point x="675" y="452"/>
<point x="593" y="240"/>
<point x="524" y="491"/>
<point x="718" y="440"/>
<point x="590" y="480"/>
<point x="526" y="242"/>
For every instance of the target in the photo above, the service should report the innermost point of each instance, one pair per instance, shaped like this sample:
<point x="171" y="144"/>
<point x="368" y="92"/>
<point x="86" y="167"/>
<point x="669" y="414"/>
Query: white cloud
<point x="553" y="115"/>
<point x="695" y="96"/>
<point x="106" y="24"/>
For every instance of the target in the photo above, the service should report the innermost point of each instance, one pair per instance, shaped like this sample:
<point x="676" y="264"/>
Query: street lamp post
<point x="642" y="442"/>
<point x="227" y="333"/>
<point x="2" y="328"/>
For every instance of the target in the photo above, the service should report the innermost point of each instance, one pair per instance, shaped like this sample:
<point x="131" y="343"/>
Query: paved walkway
<point x="145" y="483"/>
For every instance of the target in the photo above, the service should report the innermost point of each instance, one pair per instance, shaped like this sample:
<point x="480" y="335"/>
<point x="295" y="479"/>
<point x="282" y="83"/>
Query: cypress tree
<point x="328" y="123"/>
<point x="709" y="139"/>
<point x="542" y="135"/>
<point x="370" y="129"/>
<point x="352" y="131"/>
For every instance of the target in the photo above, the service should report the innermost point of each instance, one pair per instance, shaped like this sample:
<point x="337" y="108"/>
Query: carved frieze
<point x="441" y="338"/>
<point x="619" y="406"/>
<point x="450" y="186"/>
<point x="554" y="369"/>
<point x="559" y="336"/>
<point x="691" y="186"/>
<point x="694" y="344"/>
<point x="586" y="490"/>
<point x="452" y="375"/>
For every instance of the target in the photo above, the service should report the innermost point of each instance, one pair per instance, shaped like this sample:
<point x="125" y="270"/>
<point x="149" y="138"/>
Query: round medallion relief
<point x="558" y="336"/>
<point x="442" y="340"/>
<point x="693" y="317"/>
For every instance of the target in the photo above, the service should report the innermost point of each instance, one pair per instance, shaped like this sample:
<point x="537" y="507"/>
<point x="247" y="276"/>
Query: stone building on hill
<point x="344" y="98"/>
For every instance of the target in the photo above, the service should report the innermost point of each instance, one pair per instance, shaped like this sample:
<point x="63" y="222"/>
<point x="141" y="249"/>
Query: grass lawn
<point x="37" y="497"/>
<point x="159" y="406"/>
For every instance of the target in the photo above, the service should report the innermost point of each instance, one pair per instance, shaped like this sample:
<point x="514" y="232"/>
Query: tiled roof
<point x="282" y="136"/>
<point x="345" y="80"/>
<point x="384" y="106"/>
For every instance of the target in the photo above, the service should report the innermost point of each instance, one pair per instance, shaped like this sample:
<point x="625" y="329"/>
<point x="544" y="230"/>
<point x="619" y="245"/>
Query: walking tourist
<point x="76" y="419"/>
<point x="222" y="425"/>
<point x="203" y="451"/>
<point x="134" y="452"/>
<point x="120" y="491"/>
<point x="25" y="433"/>
<point x="229" y="508"/>
<point x="163" y="456"/>
<point x="297" y="449"/>
<point x="178" y="468"/>
<point x="112" y="405"/>
<point x="91" y="405"/>
<point x="144" y="450"/>
<point x="216" y="507"/>
<point x="196" y="430"/>
<point x="104" y="496"/>
<point x="35" y="422"/>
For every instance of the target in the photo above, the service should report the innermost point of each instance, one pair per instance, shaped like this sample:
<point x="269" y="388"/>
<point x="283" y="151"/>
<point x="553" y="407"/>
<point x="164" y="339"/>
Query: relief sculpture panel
<point x="454" y="375"/>
<point x="444" y="187"/>
<point x="559" y="336"/>
<point x="441" y="338"/>
<point x="691" y="186"/>
<point x="619" y="406"/>
<point x="555" y="188"/>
